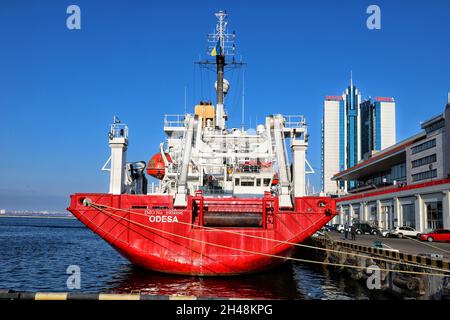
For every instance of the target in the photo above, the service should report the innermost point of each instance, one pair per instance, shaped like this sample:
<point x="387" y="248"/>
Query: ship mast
<point x="220" y="57"/>
<point x="221" y="45"/>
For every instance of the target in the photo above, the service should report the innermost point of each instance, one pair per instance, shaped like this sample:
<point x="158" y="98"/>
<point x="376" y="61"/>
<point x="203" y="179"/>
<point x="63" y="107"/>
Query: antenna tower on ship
<point x="221" y="44"/>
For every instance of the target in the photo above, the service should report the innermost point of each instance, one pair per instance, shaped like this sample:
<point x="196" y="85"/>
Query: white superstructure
<point x="232" y="162"/>
<point x="202" y="154"/>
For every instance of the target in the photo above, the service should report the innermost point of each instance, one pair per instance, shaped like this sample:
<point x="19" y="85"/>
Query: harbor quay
<point x="404" y="245"/>
<point x="401" y="267"/>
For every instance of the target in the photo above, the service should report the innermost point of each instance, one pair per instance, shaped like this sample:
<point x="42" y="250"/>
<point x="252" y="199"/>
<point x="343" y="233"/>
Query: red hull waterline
<point x="151" y="233"/>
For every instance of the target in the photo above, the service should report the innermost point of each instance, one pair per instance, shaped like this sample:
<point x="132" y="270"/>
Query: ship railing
<point x="174" y="120"/>
<point x="118" y="130"/>
<point x="294" y="121"/>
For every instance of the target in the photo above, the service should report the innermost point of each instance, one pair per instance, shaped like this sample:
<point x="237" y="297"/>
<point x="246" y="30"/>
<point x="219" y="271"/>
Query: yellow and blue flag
<point x="216" y="50"/>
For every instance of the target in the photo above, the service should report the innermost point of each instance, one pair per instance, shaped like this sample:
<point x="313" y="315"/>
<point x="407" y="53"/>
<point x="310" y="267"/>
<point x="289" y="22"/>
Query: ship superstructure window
<point x="423" y="161"/>
<point x="247" y="182"/>
<point x="236" y="181"/>
<point x="266" y="182"/>
<point x="430" y="174"/>
<point x="424" y="146"/>
<point x="258" y="182"/>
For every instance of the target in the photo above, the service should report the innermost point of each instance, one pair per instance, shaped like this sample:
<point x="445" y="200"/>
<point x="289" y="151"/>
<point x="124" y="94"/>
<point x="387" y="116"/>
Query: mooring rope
<point x="99" y="207"/>
<point x="285" y="242"/>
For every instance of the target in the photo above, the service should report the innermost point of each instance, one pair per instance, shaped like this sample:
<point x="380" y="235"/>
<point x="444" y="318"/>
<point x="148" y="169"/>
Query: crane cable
<point x="99" y="207"/>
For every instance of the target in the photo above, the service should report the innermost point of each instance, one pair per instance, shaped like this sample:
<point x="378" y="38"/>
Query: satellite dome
<point x="226" y="86"/>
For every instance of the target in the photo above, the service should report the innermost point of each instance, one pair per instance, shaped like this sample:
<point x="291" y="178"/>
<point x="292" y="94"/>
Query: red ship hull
<point x="151" y="233"/>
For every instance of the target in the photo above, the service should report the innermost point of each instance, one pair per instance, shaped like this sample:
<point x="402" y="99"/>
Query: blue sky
<point x="60" y="88"/>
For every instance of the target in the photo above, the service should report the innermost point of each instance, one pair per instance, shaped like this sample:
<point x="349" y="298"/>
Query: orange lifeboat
<point x="156" y="167"/>
<point x="275" y="179"/>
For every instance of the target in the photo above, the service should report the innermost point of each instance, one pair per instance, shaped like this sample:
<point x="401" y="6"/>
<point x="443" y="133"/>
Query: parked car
<point x="365" y="228"/>
<point x="404" y="231"/>
<point x="321" y="232"/>
<point x="338" y="227"/>
<point x="318" y="233"/>
<point x="386" y="233"/>
<point x="436" y="235"/>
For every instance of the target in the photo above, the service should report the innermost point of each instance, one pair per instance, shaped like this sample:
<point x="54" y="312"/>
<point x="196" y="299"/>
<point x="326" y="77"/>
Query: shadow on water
<point x="293" y="281"/>
<point x="274" y="284"/>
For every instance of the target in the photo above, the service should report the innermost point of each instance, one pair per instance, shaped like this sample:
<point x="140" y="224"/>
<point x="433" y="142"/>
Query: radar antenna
<point x="221" y="44"/>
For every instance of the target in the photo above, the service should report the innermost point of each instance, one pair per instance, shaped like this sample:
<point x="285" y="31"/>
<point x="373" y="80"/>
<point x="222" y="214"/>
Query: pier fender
<point x="352" y="260"/>
<point x="354" y="273"/>
<point x="360" y="274"/>
<point x="382" y="265"/>
<point x="342" y="257"/>
<point x="357" y="275"/>
<point x="334" y="258"/>
<point x="408" y="283"/>
<point x="446" y="289"/>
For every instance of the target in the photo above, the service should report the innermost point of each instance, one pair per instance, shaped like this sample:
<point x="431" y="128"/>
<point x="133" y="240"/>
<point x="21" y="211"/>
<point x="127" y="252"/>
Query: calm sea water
<point x="35" y="254"/>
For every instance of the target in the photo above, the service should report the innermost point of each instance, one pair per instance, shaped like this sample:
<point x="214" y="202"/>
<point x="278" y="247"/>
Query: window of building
<point x="266" y="182"/>
<point x="356" y="216"/>
<point x="434" y="215"/>
<point x="409" y="215"/>
<point x="424" y="146"/>
<point x="373" y="214"/>
<point x="430" y="174"/>
<point x="387" y="217"/>
<point x="398" y="172"/>
<point x="423" y="161"/>
<point x="236" y="181"/>
<point x="258" y="182"/>
<point x="346" y="215"/>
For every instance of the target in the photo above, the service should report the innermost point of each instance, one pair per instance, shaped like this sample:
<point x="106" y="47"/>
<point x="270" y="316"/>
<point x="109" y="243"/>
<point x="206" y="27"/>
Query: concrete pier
<point x="404" y="255"/>
<point x="404" y="245"/>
